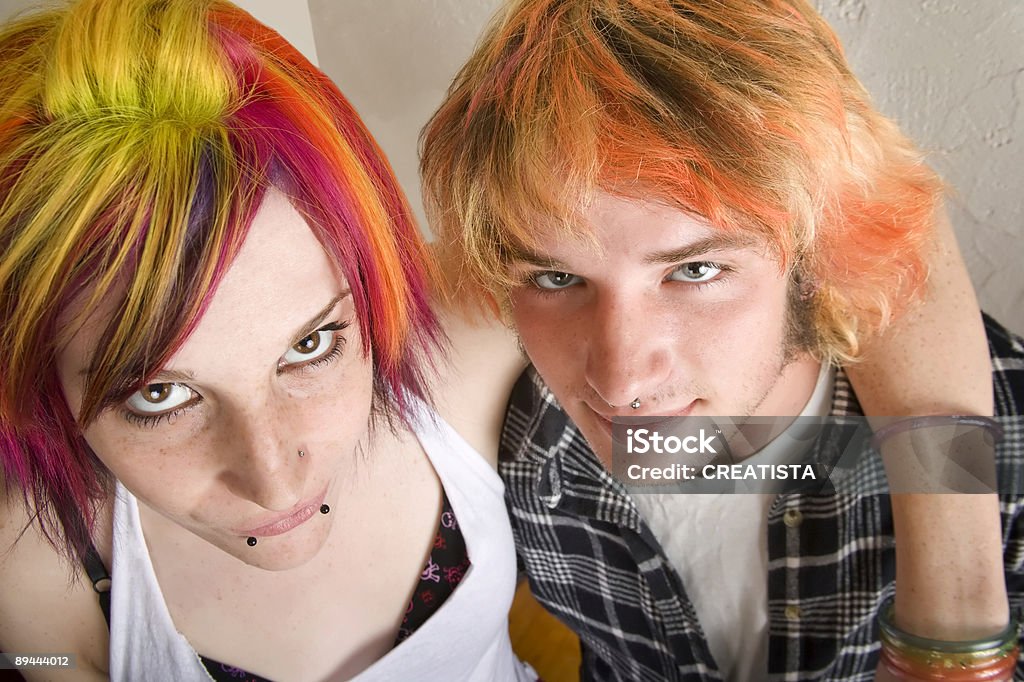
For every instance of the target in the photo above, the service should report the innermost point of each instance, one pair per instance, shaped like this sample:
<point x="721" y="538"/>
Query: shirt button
<point x="793" y="613"/>
<point x="793" y="518"/>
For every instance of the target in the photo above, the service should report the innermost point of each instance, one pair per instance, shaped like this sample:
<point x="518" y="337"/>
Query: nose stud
<point x="302" y="453"/>
<point x="251" y="541"/>
<point x="635" y="404"/>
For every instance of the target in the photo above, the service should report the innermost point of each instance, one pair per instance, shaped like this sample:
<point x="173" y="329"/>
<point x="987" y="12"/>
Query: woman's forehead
<point x="280" y="277"/>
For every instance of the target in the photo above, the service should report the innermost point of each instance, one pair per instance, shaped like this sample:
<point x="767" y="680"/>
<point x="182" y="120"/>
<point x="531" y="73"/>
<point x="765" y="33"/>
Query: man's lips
<point x="605" y="419"/>
<point x="283" y="523"/>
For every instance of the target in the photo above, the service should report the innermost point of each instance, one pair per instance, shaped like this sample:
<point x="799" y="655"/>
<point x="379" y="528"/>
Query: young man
<point x="691" y="208"/>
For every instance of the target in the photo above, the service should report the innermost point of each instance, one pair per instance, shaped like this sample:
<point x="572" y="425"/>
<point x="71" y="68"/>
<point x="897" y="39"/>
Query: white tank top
<point x="465" y="639"/>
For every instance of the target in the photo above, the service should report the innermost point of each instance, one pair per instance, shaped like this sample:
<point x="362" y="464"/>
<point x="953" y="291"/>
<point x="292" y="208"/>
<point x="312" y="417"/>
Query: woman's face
<point x="274" y="367"/>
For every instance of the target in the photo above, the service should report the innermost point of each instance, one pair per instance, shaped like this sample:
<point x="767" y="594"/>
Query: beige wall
<point x="394" y="59"/>
<point x="9" y="8"/>
<point x="290" y="18"/>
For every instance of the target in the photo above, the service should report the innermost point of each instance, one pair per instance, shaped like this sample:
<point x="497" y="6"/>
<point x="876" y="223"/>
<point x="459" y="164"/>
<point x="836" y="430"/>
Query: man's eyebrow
<point x="314" y="322"/>
<point x="715" y="242"/>
<point x="524" y="255"/>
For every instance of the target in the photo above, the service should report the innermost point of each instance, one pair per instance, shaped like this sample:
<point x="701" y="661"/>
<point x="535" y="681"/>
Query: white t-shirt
<point x="719" y="546"/>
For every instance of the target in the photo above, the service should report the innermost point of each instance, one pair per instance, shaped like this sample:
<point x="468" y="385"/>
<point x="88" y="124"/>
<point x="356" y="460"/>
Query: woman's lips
<point x="299" y="515"/>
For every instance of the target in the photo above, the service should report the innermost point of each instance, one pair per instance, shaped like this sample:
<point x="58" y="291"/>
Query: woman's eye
<point x="310" y="348"/>
<point x="555" y="280"/>
<point x="159" y="398"/>
<point x="700" y="271"/>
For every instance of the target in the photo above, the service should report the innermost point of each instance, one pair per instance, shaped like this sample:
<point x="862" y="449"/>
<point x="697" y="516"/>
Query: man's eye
<point x="555" y="280"/>
<point x="700" y="271"/>
<point x="311" y="348"/>
<point x="159" y="398"/>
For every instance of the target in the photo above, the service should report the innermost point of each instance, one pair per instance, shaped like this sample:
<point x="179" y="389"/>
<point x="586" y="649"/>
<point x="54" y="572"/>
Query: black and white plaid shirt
<point x="593" y="562"/>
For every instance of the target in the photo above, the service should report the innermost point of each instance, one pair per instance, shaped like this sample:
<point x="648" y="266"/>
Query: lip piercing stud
<point x="251" y="541"/>
<point x="302" y="453"/>
<point x="324" y="509"/>
<point x="635" y="404"/>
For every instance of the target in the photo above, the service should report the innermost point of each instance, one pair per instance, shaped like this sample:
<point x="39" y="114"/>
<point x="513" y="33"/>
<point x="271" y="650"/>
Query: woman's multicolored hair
<point x="137" y="139"/>
<point x="743" y="112"/>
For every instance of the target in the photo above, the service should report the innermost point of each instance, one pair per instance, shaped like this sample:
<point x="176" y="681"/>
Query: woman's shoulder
<point x="472" y="386"/>
<point x="47" y="603"/>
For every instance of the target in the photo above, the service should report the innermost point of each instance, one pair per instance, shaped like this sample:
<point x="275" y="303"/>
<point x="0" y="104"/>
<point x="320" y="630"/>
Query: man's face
<point x="661" y="307"/>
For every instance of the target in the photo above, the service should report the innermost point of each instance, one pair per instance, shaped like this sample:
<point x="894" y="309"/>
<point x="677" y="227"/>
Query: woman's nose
<point x="261" y="459"/>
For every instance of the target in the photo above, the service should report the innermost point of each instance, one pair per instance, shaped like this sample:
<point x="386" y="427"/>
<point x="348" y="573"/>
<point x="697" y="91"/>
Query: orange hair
<point x="743" y="112"/>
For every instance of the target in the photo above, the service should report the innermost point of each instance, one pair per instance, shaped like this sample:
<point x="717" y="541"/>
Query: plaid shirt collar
<point x="568" y="470"/>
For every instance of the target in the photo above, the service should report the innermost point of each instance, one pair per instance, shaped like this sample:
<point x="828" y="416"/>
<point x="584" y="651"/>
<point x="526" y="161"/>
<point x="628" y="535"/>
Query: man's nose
<point x="628" y="356"/>
<point x="261" y="459"/>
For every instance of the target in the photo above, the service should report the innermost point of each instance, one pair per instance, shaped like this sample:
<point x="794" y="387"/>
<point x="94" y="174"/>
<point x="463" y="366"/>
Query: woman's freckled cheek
<point x="150" y="466"/>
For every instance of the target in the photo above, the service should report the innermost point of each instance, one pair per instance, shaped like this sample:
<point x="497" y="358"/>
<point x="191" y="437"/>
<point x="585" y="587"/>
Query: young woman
<point x="214" y="389"/>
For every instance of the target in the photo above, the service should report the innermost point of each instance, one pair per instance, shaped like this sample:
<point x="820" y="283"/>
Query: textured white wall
<point x="950" y="71"/>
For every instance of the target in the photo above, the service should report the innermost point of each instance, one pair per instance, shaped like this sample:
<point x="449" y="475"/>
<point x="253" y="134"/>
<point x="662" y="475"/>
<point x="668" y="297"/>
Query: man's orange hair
<point x="741" y="111"/>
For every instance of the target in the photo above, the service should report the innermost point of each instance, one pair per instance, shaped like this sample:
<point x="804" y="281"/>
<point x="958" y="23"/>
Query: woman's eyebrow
<point x="161" y="377"/>
<point x="314" y="322"/>
<point x="167" y="376"/>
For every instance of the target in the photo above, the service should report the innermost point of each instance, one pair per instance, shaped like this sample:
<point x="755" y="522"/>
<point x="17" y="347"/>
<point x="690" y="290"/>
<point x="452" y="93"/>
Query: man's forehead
<point x="656" y="232"/>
